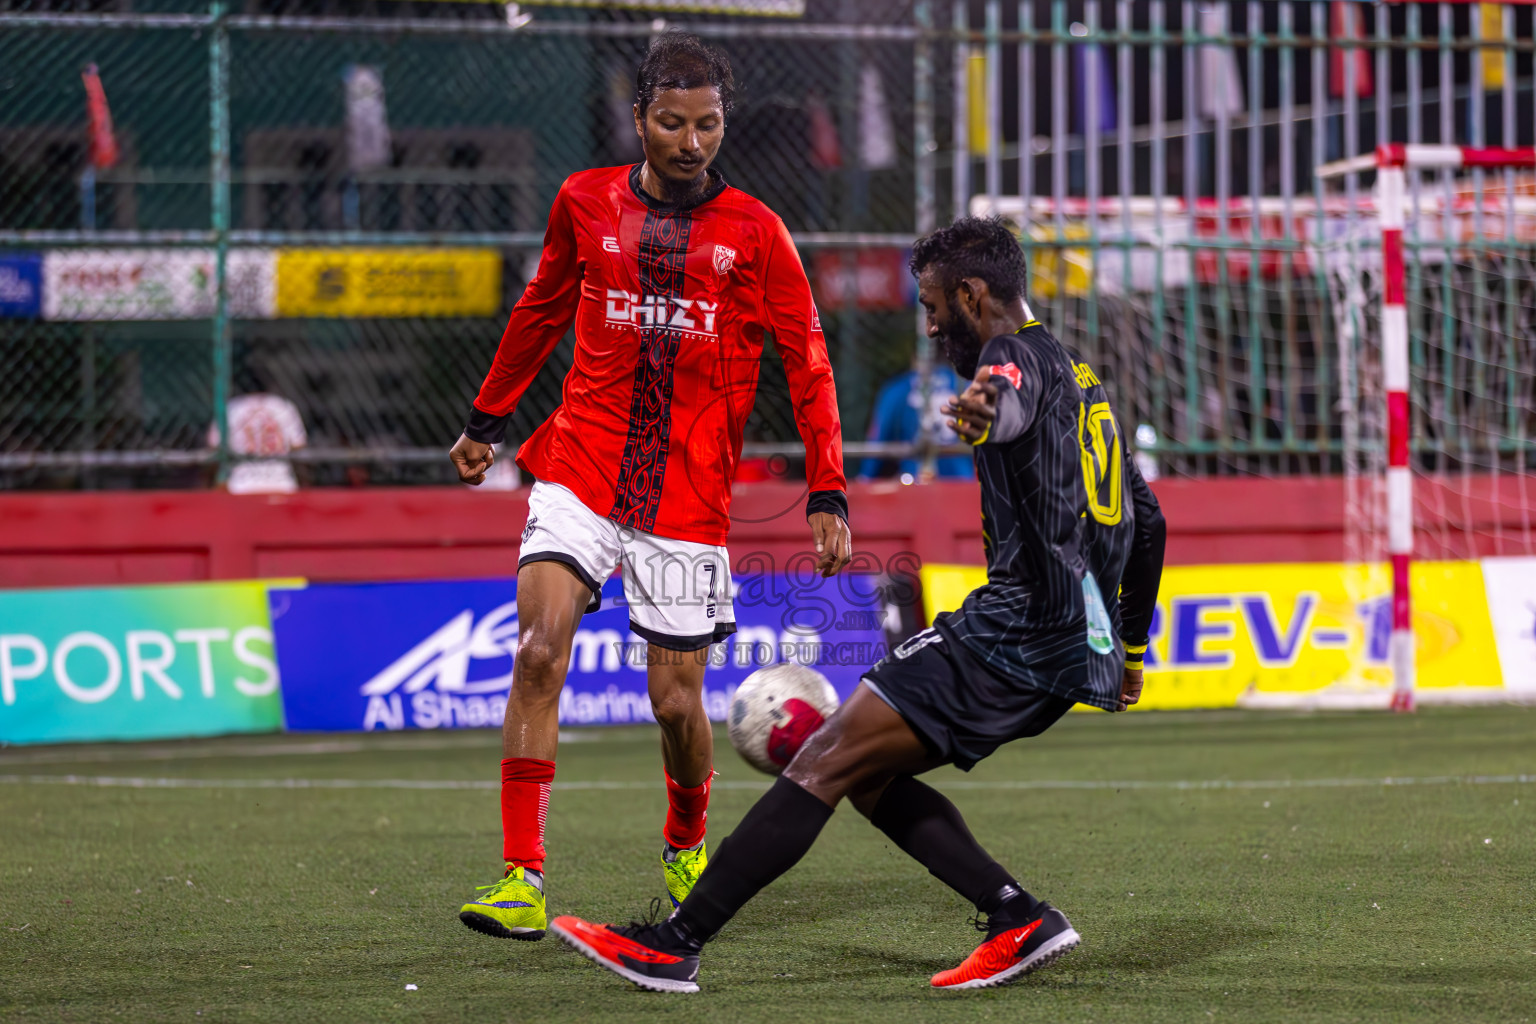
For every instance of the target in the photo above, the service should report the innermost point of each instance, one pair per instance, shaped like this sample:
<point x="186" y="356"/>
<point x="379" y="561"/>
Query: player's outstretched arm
<point x="539" y="320"/>
<point x="1138" y="584"/>
<point x="1000" y="403"/>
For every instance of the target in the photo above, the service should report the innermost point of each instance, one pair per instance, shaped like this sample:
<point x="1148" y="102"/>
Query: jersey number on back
<point x="1099" y="439"/>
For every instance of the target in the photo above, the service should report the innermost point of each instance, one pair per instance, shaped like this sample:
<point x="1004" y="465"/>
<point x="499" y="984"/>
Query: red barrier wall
<point x="75" y="539"/>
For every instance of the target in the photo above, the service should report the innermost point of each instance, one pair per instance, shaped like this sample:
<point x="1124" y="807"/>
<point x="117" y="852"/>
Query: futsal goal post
<point x="1432" y="274"/>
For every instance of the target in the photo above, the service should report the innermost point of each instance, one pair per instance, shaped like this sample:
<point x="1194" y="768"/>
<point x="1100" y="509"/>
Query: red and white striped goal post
<point x="1391" y="164"/>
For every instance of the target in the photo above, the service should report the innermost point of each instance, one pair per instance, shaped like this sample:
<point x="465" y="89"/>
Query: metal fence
<point x="272" y="156"/>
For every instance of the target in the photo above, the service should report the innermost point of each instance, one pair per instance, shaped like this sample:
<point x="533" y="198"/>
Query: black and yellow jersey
<point x="1073" y="534"/>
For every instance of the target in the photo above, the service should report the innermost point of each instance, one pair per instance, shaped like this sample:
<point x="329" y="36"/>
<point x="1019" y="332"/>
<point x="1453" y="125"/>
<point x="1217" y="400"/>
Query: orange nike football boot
<point x="1012" y="949"/>
<point x="647" y="954"/>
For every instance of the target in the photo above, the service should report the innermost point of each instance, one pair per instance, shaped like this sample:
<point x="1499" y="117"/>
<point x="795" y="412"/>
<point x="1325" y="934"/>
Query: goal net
<point x="1430" y="257"/>
<point x="1380" y="333"/>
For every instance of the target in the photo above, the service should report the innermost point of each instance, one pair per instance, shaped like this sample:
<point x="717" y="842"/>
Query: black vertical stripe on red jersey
<point x="663" y="252"/>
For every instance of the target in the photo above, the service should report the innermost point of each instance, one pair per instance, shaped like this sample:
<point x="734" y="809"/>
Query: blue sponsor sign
<point x="437" y="655"/>
<point x="21" y="284"/>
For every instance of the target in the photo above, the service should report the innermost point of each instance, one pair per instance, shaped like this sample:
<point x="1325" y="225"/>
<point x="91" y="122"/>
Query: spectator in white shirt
<point x="268" y="426"/>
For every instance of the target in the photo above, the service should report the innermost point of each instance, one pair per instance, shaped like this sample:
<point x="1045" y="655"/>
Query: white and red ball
<point x="775" y="711"/>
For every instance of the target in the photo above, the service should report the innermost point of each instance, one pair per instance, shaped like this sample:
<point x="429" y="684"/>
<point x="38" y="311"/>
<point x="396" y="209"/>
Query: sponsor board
<point x="388" y="282"/>
<point x="1511" y="588"/>
<point x="438" y="655"/>
<point x="866" y="278"/>
<point x="21" y="284"/>
<point x="770" y="8"/>
<point x="128" y="663"/>
<point x="1283" y="635"/>
<point x="154" y="284"/>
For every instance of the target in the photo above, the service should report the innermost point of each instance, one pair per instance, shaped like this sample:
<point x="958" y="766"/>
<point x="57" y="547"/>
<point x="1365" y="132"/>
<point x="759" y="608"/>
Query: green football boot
<point x="681" y="869"/>
<point x="512" y="908"/>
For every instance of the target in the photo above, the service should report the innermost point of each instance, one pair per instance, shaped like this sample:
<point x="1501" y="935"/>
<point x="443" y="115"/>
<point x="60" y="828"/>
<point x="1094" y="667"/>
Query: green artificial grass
<point x="1343" y="899"/>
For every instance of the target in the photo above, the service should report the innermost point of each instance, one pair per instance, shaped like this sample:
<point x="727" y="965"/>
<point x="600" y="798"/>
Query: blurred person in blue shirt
<point x="901" y="415"/>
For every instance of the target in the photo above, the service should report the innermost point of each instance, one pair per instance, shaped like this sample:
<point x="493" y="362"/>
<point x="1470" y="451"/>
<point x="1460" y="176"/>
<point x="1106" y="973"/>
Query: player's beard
<point x="676" y="191"/>
<point x="961" y="345"/>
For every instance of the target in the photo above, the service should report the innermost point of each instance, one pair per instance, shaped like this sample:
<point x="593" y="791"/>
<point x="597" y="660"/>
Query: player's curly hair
<point x="983" y="247"/>
<point x="677" y="60"/>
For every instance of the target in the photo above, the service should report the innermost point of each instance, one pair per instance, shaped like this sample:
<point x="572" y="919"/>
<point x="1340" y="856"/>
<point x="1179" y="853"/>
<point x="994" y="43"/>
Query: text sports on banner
<point x="133" y="663"/>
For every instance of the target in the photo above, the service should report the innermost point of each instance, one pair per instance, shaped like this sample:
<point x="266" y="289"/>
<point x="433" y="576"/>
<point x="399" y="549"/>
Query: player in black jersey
<point x="1074" y="545"/>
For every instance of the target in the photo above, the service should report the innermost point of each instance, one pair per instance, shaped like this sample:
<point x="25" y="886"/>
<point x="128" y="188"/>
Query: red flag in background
<point x="826" y="148"/>
<point x="1346" y="25"/>
<point x="103" y="142"/>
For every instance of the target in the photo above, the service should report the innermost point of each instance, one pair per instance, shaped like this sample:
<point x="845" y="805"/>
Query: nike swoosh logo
<point x="1025" y="934"/>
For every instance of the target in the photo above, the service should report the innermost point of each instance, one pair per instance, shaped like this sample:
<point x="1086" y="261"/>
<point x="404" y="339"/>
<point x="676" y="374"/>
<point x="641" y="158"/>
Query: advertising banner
<point x="388" y="282"/>
<point x="154" y="284"/>
<point x="773" y="8"/>
<point x="868" y="278"/>
<point x="1511" y="584"/>
<point x="437" y="655"/>
<point x="1297" y="635"/>
<point x="21" y="284"/>
<point x="130" y="663"/>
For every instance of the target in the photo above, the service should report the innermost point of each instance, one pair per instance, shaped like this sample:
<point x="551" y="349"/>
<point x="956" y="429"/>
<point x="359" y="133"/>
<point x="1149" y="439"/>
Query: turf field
<point x="1219" y="866"/>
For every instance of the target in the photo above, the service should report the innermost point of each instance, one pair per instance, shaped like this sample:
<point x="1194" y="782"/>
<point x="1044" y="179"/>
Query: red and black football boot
<point x="1012" y="949"/>
<point x="651" y="955"/>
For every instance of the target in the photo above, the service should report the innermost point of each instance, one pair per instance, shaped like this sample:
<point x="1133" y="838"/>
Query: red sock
<point x="525" y="785"/>
<point x="687" y="811"/>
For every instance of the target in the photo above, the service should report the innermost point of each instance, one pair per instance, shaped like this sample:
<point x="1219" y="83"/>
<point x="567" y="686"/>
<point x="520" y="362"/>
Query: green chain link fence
<point x="115" y="383"/>
<point x="862" y="123"/>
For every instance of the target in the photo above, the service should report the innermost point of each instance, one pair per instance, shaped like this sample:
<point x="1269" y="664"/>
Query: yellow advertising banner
<point x="1295" y="635"/>
<point x="388" y="282"/>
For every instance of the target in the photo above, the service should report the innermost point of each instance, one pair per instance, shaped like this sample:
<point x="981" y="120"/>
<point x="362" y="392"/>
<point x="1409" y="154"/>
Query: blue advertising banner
<point x="438" y="655"/>
<point x="21" y="284"/>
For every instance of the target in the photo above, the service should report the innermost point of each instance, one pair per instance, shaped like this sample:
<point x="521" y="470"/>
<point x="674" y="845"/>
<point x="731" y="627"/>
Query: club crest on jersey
<point x="696" y="316"/>
<point x="724" y="257"/>
<point x="1007" y="370"/>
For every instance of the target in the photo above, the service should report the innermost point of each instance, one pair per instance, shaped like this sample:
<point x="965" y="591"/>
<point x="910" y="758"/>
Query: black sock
<point x="922" y="821"/>
<point x="770" y="840"/>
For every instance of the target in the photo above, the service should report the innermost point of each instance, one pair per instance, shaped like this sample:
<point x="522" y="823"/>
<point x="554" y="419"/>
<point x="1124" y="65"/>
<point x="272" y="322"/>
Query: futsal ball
<point x="775" y="711"/>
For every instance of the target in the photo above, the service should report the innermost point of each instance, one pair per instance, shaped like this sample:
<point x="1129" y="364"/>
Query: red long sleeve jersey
<point x="671" y="306"/>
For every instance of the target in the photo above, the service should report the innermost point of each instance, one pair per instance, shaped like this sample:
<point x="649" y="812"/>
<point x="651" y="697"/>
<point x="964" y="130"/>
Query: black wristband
<point x="485" y="428"/>
<point x="835" y="502"/>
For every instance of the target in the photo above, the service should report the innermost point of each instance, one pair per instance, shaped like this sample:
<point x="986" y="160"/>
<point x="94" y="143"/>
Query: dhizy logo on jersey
<point x="696" y="316"/>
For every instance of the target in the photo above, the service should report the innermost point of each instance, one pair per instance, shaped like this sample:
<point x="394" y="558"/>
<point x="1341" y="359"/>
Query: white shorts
<point x="679" y="592"/>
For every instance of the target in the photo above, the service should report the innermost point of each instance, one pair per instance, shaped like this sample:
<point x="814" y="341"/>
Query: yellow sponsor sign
<point x="1231" y="635"/>
<point x="1052" y="265"/>
<point x="388" y="282"/>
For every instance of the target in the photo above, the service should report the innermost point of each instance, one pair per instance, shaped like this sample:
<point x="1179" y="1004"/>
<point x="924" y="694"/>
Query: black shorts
<point x="959" y="708"/>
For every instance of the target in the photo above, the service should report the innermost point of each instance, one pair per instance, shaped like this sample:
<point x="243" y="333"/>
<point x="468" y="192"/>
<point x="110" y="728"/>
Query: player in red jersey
<point x="672" y="278"/>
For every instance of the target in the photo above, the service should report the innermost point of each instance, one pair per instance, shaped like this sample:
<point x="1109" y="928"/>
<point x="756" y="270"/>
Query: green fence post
<point x="218" y="170"/>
